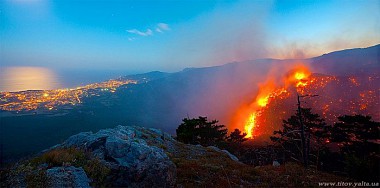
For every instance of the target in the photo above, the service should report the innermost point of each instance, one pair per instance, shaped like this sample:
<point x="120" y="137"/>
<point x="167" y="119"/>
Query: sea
<point x="41" y="78"/>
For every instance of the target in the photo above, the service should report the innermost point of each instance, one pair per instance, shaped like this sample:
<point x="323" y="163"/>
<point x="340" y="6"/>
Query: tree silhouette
<point x="234" y="142"/>
<point x="316" y="135"/>
<point x="358" y="137"/>
<point x="200" y="131"/>
<point x="237" y="137"/>
<point x="356" y="134"/>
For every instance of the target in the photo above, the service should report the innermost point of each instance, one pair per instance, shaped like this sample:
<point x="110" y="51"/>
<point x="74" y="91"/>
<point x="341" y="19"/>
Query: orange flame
<point x="269" y="90"/>
<point x="250" y="125"/>
<point x="298" y="76"/>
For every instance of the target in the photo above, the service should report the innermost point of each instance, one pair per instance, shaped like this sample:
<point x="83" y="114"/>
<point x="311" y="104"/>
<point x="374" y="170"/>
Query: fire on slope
<point x="337" y="96"/>
<point x="247" y="115"/>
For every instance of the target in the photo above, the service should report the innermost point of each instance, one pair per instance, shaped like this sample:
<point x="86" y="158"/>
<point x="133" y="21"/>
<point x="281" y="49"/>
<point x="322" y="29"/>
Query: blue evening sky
<point x="171" y="35"/>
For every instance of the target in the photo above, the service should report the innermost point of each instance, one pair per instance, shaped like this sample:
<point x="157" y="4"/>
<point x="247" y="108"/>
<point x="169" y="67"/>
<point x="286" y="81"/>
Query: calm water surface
<point x="27" y="78"/>
<point x="41" y="78"/>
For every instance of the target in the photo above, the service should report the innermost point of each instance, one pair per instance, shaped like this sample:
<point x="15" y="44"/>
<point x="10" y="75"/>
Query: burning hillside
<point x="336" y="96"/>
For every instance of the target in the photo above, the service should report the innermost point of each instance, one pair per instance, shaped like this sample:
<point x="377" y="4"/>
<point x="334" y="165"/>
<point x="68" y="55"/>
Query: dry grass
<point x="207" y="168"/>
<point x="294" y="175"/>
<point x="34" y="170"/>
<point x="98" y="172"/>
<point x="210" y="169"/>
<point x="37" y="178"/>
<point x="61" y="157"/>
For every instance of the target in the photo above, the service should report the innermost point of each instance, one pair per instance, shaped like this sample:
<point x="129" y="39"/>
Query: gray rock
<point x="214" y="148"/>
<point x="67" y="177"/>
<point x="126" y="151"/>
<point x="275" y="164"/>
<point x="233" y="157"/>
<point x="77" y="140"/>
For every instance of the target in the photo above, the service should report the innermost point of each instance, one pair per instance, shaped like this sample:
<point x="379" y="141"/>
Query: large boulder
<point x="132" y="153"/>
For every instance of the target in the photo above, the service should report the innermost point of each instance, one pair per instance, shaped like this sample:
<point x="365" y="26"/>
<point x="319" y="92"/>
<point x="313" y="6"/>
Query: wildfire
<point x="263" y="101"/>
<point x="270" y="90"/>
<point x="250" y="125"/>
<point x="300" y="76"/>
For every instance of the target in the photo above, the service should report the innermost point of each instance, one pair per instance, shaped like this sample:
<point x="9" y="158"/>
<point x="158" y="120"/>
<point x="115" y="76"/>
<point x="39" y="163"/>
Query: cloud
<point x="161" y="27"/>
<point x="148" y="32"/>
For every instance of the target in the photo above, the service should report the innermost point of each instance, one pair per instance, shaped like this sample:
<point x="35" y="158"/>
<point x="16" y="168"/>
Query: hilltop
<point x="144" y="157"/>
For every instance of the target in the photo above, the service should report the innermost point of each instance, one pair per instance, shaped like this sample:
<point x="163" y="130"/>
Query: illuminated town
<point x="52" y="99"/>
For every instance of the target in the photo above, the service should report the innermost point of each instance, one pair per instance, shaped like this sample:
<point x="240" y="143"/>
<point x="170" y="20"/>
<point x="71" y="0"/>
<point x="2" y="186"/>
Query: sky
<point x="141" y="36"/>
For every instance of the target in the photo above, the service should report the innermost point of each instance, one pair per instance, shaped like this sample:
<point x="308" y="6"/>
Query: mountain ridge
<point x="313" y="61"/>
<point x="161" y="102"/>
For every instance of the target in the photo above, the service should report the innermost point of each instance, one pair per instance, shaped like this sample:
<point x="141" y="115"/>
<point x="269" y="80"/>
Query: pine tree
<point x="237" y="137"/>
<point x="316" y="133"/>
<point x="200" y="131"/>
<point x="357" y="134"/>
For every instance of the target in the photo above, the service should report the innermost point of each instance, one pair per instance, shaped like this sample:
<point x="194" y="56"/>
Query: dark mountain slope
<point x="348" y="62"/>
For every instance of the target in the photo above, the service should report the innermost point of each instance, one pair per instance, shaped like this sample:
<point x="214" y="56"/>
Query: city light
<point x="51" y="99"/>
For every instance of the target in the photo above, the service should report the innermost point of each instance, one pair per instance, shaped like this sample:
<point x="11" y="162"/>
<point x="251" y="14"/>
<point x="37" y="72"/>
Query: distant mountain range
<point x="349" y="62"/>
<point x="162" y="100"/>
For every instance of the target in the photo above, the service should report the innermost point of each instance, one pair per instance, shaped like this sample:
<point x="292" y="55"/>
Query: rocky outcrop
<point x="124" y="156"/>
<point x="127" y="152"/>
